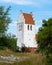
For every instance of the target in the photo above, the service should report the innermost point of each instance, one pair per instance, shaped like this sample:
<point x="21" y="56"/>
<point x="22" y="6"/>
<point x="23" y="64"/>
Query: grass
<point x="9" y="52"/>
<point x="33" y="59"/>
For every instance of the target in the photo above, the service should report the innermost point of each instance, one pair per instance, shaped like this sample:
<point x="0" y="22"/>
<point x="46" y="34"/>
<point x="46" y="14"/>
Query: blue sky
<point x="41" y="9"/>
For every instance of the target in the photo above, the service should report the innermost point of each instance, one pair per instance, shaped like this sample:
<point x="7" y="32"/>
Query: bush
<point x="49" y="61"/>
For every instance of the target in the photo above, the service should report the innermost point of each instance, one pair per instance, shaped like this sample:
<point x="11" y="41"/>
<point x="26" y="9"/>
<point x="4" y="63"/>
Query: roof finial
<point x="31" y="13"/>
<point x="21" y="11"/>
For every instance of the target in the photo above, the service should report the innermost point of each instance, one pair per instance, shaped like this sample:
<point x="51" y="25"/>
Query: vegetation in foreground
<point x="31" y="59"/>
<point x="34" y="59"/>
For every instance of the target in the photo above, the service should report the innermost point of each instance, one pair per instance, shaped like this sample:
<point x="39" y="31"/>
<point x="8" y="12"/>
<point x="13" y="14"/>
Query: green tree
<point x="45" y="37"/>
<point x="6" y="40"/>
<point x="4" y="22"/>
<point x="11" y="42"/>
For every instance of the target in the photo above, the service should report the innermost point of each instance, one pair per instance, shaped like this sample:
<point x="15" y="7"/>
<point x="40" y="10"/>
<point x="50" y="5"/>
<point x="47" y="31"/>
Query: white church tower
<point x="26" y="31"/>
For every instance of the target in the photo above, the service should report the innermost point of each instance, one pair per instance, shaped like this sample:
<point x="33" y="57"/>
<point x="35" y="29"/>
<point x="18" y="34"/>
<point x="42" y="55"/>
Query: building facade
<point x="26" y="31"/>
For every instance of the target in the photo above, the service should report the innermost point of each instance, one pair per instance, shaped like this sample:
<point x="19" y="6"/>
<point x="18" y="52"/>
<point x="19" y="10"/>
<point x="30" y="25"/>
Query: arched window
<point x="28" y="27"/>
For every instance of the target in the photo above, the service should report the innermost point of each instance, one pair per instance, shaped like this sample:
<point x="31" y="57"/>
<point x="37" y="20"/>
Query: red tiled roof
<point x="28" y="18"/>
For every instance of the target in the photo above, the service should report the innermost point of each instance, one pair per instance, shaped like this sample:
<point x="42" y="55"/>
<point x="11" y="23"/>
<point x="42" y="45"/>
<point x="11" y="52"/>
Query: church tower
<point x="26" y="31"/>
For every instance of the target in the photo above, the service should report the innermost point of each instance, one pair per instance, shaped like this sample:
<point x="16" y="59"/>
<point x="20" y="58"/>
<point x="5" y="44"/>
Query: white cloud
<point x="36" y="3"/>
<point x="19" y="2"/>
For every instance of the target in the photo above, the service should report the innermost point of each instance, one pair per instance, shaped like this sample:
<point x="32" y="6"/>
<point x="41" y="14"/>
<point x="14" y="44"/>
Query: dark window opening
<point x="31" y="27"/>
<point x="28" y="27"/>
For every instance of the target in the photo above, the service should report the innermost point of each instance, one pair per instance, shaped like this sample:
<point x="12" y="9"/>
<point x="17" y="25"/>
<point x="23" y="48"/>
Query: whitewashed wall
<point x="20" y="35"/>
<point x="29" y="36"/>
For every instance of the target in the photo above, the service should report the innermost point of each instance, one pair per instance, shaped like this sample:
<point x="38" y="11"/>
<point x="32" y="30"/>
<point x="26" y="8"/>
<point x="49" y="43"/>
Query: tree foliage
<point x="6" y="40"/>
<point x="45" y="37"/>
<point x="4" y="20"/>
<point x="11" y="42"/>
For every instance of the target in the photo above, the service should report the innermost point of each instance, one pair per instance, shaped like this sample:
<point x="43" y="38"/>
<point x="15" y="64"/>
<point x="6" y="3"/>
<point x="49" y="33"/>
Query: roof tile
<point x="28" y="18"/>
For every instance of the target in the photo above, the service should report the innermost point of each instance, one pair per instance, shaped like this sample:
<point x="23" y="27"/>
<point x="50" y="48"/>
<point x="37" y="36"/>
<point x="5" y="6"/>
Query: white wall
<point x="20" y="34"/>
<point x="29" y="36"/>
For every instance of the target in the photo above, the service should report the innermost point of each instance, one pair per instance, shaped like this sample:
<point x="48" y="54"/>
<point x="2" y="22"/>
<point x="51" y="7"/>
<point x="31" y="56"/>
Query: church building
<point x="26" y="31"/>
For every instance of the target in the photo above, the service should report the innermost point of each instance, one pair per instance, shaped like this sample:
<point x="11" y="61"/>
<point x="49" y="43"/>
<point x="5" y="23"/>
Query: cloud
<point x="35" y="3"/>
<point x="19" y="2"/>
